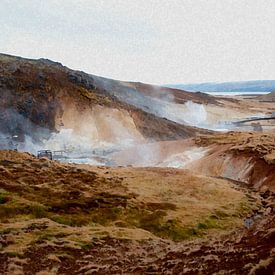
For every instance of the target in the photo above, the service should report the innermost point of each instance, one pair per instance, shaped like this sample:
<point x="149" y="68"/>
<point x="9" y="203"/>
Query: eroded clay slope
<point x="246" y="157"/>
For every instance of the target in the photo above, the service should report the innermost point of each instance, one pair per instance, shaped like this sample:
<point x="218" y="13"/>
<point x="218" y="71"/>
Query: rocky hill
<point x="38" y="97"/>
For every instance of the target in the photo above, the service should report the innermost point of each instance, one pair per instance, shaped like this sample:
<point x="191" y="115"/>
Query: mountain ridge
<point x="234" y="86"/>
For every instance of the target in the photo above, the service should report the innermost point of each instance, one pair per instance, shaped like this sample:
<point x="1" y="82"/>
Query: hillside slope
<point x="244" y="157"/>
<point x="39" y="97"/>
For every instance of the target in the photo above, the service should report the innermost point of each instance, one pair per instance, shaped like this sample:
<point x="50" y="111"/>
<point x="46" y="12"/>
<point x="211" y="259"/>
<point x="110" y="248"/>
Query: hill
<point x="41" y="97"/>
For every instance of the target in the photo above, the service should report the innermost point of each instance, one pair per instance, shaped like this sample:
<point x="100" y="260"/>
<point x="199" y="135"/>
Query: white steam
<point x="180" y="160"/>
<point x="91" y="137"/>
<point x="160" y="102"/>
<point x="190" y="113"/>
<point x="195" y="114"/>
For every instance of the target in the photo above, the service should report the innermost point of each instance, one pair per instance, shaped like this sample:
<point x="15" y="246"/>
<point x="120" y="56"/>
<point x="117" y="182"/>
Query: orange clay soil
<point x="246" y="157"/>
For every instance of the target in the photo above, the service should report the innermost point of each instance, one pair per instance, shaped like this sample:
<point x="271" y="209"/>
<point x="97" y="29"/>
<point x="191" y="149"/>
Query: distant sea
<point x="253" y="87"/>
<point x="236" y="93"/>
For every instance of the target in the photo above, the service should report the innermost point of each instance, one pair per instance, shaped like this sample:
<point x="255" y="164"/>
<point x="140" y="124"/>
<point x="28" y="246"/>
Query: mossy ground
<point x="45" y="202"/>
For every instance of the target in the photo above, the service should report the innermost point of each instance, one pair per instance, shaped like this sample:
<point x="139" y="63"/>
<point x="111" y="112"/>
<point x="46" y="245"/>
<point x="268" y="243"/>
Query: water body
<point x="236" y="93"/>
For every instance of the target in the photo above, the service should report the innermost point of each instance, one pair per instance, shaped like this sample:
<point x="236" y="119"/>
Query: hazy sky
<point x="157" y="41"/>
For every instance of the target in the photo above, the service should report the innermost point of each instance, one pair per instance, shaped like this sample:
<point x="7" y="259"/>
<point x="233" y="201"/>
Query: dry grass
<point x="22" y="234"/>
<point x="260" y="144"/>
<point x="47" y="202"/>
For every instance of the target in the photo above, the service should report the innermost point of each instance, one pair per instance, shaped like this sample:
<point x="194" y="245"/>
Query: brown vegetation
<point x="63" y="213"/>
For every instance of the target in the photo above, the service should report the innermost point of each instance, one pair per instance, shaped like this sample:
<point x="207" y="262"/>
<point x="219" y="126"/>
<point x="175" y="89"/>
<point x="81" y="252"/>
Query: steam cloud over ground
<point x="97" y="136"/>
<point x="91" y="136"/>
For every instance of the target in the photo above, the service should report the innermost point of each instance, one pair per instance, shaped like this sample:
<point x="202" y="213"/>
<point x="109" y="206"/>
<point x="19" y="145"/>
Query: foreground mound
<point x="66" y="218"/>
<point x="245" y="157"/>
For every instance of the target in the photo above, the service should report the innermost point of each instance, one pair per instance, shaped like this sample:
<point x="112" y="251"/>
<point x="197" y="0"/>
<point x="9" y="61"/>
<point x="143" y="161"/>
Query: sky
<point x="152" y="41"/>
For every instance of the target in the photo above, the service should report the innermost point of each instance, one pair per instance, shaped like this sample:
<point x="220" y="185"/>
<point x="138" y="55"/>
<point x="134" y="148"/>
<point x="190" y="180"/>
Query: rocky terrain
<point x="166" y="194"/>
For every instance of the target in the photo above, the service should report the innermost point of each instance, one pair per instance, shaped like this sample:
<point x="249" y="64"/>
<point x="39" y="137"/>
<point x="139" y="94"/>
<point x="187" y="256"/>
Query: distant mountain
<point x="241" y="86"/>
